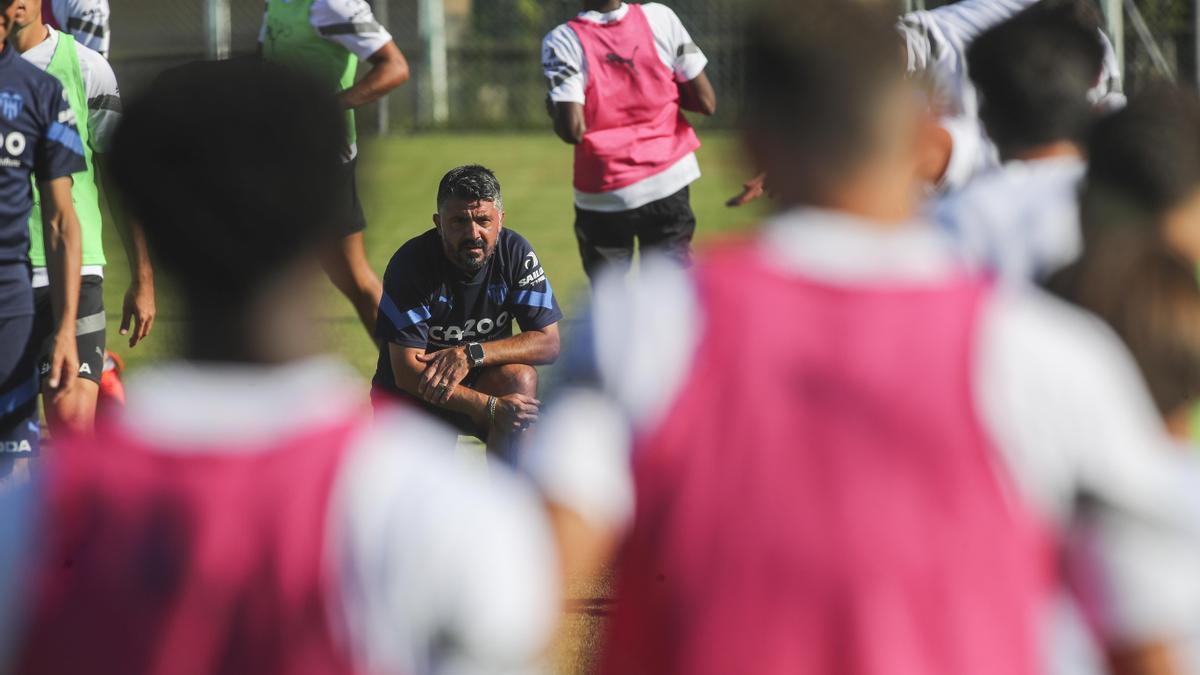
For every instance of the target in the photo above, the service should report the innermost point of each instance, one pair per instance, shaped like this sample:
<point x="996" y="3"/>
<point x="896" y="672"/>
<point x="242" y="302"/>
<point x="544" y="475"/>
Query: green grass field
<point x="398" y="177"/>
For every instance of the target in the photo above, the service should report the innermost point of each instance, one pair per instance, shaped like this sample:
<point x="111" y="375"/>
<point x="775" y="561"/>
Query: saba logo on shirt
<point x="10" y="104"/>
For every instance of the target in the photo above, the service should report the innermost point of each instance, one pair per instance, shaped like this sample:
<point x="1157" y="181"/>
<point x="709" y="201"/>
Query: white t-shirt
<point x="446" y="566"/>
<point x="104" y="111"/>
<point x="565" y="66"/>
<point x="86" y="20"/>
<point x="1019" y="220"/>
<point x="1060" y="396"/>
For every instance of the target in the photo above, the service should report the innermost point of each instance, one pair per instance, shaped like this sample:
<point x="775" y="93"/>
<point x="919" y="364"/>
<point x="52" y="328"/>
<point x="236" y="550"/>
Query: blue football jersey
<point x="38" y="138"/>
<point x="430" y="304"/>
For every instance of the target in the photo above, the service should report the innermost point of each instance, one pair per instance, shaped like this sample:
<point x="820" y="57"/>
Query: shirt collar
<point x="6" y="54"/>
<point x="184" y="405"/>
<point x="606" y="17"/>
<point x="840" y="248"/>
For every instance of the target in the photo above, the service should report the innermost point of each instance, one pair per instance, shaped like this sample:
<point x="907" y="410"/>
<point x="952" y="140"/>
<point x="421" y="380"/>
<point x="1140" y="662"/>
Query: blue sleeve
<point x="404" y="309"/>
<point x="531" y="302"/>
<point x="59" y="151"/>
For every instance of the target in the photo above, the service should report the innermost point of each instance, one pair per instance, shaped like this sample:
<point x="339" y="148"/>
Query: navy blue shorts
<point x="18" y="387"/>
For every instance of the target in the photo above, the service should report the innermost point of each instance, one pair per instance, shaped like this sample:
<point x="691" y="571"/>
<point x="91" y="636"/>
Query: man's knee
<point x="516" y="378"/>
<point x="74" y="411"/>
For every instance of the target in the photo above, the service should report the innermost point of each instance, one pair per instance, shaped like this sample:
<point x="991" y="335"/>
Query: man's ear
<point x="502" y="219"/>
<point x="437" y="221"/>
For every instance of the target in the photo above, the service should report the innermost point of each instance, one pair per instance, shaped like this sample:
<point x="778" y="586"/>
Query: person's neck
<point x="870" y="200"/>
<point x="602" y="6"/>
<point x="1046" y="151"/>
<point x="29" y="36"/>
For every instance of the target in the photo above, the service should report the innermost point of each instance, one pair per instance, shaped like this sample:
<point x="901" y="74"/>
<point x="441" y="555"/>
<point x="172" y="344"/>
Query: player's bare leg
<point x="347" y="267"/>
<point x="502" y="381"/>
<point x="75" y="410"/>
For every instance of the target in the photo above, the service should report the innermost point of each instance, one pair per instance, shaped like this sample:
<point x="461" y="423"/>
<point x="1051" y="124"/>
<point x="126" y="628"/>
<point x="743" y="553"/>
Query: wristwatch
<point x="475" y="354"/>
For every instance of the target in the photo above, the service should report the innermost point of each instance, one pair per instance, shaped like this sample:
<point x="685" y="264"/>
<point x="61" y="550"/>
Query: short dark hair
<point x="1143" y="160"/>
<point x="1084" y="13"/>
<point x="470" y="183"/>
<point x="232" y="169"/>
<point x="1033" y="74"/>
<point x="816" y="74"/>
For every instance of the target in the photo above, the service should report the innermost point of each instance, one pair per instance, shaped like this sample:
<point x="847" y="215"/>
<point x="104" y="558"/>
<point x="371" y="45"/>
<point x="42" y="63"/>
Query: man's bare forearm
<point x="569" y="122"/>
<point x="133" y="238"/>
<point x="389" y="69"/>
<point x="64" y="249"/>
<point x="534" y="348"/>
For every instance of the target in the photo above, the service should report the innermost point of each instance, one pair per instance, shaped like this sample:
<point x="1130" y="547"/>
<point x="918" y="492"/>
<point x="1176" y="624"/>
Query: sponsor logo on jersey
<point x="10" y="104"/>
<point x="14" y="144"/>
<point x="536" y="273"/>
<point x="470" y="329"/>
<point x="16" y="447"/>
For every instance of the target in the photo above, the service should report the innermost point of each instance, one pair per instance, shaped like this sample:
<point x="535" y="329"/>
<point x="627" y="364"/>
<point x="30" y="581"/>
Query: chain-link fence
<point x="492" y="48"/>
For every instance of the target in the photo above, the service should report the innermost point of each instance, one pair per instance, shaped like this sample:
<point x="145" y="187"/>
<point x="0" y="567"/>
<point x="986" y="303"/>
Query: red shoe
<point x="112" y="391"/>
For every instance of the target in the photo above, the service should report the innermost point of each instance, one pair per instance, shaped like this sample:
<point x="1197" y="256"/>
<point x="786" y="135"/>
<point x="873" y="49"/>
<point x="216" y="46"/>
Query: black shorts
<point x="89" y="328"/>
<point x="456" y="420"/>
<point x="350" y="217"/>
<point x="19" y="388"/>
<point x="665" y="226"/>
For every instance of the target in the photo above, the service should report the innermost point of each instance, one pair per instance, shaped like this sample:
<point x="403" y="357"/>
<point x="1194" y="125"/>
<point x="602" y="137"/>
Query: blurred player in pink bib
<point x="850" y="455"/>
<point x="243" y="513"/>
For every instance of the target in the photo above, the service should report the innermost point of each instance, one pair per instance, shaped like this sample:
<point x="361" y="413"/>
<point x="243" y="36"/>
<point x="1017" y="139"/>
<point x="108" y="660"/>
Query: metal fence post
<point x="382" y="119"/>
<point x="217" y="27"/>
<point x="433" y="36"/>
<point x="1115" y="26"/>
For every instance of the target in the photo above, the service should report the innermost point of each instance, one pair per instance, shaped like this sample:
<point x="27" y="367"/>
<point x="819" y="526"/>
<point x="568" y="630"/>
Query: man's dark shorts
<point x="19" y="431"/>
<point x="458" y="421"/>
<point x="665" y="226"/>
<point x="350" y="217"/>
<point x="89" y="328"/>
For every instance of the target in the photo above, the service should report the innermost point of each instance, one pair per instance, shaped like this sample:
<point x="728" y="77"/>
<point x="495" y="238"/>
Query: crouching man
<point x="451" y="296"/>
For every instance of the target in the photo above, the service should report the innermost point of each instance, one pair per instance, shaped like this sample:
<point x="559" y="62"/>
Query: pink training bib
<point x="822" y="498"/>
<point x="176" y="563"/>
<point x="635" y="128"/>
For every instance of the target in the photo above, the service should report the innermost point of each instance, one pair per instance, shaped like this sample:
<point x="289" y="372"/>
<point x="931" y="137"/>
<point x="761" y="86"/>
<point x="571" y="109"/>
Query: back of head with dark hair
<point x="1084" y="13"/>
<point x="1033" y="74"/>
<point x="470" y="183"/>
<point x="1142" y="161"/>
<point x="231" y="167"/>
<point x="1151" y="298"/>
<point x="817" y="73"/>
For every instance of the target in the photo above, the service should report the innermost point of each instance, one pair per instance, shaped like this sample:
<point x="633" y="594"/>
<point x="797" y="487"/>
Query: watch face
<point x="475" y="351"/>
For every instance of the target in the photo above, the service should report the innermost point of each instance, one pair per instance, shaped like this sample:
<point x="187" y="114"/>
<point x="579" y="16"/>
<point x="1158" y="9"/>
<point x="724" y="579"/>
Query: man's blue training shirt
<point x="429" y="303"/>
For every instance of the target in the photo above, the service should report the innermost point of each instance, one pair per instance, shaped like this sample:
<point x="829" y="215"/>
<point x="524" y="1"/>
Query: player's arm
<point x="563" y="66"/>
<point x="409" y="366"/>
<point x="569" y="123"/>
<point x="138" y="309"/>
<point x="751" y="190"/>
<point x="698" y="95"/>
<point x="446" y="369"/>
<point x="389" y="70"/>
<point x="104" y="116"/>
<point x="351" y="24"/>
<point x="64" y="256"/>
